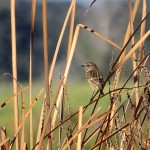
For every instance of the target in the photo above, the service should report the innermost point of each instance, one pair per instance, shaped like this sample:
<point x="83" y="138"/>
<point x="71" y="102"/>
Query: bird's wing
<point x="95" y="76"/>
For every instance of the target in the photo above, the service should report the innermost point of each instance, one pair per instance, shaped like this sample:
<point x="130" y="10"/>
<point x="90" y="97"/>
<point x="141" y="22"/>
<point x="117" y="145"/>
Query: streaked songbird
<point x="94" y="77"/>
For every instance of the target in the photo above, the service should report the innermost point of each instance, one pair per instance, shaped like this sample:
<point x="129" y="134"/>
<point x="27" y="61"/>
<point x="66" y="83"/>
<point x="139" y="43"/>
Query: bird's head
<point x="89" y="66"/>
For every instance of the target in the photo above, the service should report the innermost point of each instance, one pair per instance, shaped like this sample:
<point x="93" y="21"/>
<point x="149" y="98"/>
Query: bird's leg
<point x="92" y="95"/>
<point x="100" y="92"/>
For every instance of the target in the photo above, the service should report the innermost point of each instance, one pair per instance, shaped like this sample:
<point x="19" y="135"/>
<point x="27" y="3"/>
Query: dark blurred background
<point x="108" y="17"/>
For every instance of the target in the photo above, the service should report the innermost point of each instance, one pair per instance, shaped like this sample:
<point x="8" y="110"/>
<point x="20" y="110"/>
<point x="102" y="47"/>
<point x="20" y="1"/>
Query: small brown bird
<point x="94" y="76"/>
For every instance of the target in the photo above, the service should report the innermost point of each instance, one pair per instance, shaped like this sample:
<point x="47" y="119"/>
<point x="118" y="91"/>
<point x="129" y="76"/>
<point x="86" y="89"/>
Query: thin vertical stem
<point x="141" y="49"/>
<point x="79" y="126"/>
<point x="23" y="115"/>
<point x="58" y="43"/>
<point x="122" y="56"/>
<point x="3" y="138"/>
<point x="134" y="56"/>
<point x="45" y="38"/>
<point x="14" y="67"/>
<point x="71" y="27"/>
<point x="30" y="68"/>
<point x="49" y="114"/>
<point x="65" y="74"/>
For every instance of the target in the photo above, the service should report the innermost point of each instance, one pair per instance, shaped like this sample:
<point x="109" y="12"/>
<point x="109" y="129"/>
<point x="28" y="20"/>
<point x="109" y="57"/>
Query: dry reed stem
<point x="65" y="75"/>
<point x="140" y="64"/>
<point x="80" y="118"/>
<point x="81" y="129"/>
<point x="136" y="75"/>
<point x="98" y="129"/>
<point x="141" y="48"/>
<point x="101" y="141"/>
<point x="68" y="65"/>
<point x="90" y="114"/>
<point x="59" y="42"/>
<point x="70" y="38"/>
<point x="40" y="128"/>
<point x="100" y="36"/>
<point x="3" y="139"/>
<point x="102" y="116"/>
<point x="71" y="27"/>
<point x="123" y="50"/>
<point x="84" y="109"/>
<point x="77" y="112"/>
<point x="122" y="55"/>
<point x="14" y="68"/>
<point x="12" y="97"/>
<point x="46" y="66"/>
<point x="23" y="114"/>
<point x="24" y="146"/>
<point x="49" y="114"/>
<point x="33" y="12"/>
<point x="5" y="143"/>
<point x="22" y="108"/>
<point x="127" y="35"/>
<point x="132" y="50"/>
<point x="22" y="102"/>
<point x="118" y="66"/>
<point x="25" y="117"/>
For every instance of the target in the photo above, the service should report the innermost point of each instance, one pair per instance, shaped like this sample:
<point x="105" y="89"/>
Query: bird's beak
<point x="82" y="66"/>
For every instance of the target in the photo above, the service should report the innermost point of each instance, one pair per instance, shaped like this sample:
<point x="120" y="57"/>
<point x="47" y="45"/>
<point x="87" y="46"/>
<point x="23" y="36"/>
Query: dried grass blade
<point x="12" y="97"/>
<point x="126" y="41"/>
<point x="109" y="136"/>
<point x="23" y="114"/>
<point x="80" y="117"/>
<point x="91" y="114"/>
<point x="121" y="55"/>
<point x="58" y="43"/>
<point x="41" y="123"/>
<point x="46" y="67"/>
<point x="82" y="128"/>
<point x="136" y="75"/>
<point x="70" y="118"/>
<point x="132" y="50"/>
<point x="49" y="114"/>
<point x="25" y="147"/>
<point x="127" y="35"/>
<point x="141" y="48"/>
<point x="102" y="116"/>
<point x="4" y="141"/>
<point x="33" y="12"/>
<point x="25" y="117"/>
<point x="140" y="64"/>
<point x="14" y="67"/>
<point x="65" y="74"/>
<point x="100" y="36"/>
<point x="71" y="27"/>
